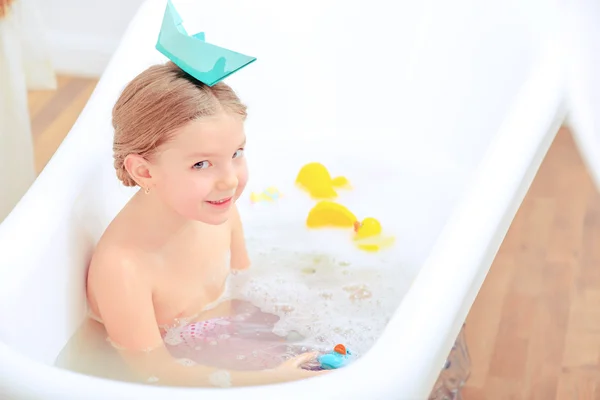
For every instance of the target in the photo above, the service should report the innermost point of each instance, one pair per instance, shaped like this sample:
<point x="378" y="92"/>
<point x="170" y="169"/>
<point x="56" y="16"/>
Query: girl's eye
<point x="238" y="153"/>
<point x="202" y="165"/>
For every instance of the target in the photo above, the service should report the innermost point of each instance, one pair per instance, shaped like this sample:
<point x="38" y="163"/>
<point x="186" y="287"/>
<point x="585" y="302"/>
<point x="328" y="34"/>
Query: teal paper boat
<point x="204" y="61"/>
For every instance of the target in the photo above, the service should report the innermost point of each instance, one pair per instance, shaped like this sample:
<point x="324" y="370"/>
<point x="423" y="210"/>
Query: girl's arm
<point x="163" y="368"/>
<point x="123" y="295"/>
<point x="239" y="253"/>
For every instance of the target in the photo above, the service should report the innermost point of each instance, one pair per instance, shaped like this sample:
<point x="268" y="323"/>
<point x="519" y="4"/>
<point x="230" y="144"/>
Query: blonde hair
<point x="158" y="101"/>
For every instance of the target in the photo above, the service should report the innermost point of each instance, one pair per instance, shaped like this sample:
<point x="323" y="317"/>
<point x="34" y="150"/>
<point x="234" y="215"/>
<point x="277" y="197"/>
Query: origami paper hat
<point x="204" y="61"/>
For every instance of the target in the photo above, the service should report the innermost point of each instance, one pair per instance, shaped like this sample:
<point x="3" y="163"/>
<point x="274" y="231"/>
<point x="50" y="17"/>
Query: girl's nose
<point x="227" y="182"/>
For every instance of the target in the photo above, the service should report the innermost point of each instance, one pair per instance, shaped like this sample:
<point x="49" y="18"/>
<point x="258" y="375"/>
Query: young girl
<point x="167" y="255"/>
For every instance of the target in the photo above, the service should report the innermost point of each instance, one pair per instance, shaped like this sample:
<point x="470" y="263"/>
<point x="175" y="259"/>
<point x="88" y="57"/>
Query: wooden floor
<point x="53" y="113"/>
<point x="534" y="330"/>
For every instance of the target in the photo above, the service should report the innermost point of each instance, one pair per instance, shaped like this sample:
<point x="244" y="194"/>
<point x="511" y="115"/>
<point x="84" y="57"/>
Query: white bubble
<point x="220" y="378"/>
<point x="321" y="287"/>
<point x="186" y="362"/>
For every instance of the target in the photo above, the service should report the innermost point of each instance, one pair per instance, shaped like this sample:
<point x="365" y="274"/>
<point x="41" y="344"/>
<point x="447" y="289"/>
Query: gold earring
<point x="147" y="190"/>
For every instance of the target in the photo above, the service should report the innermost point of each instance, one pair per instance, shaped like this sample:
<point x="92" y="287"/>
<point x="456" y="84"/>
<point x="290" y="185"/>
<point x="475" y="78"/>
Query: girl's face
<point x="202" y="171"/>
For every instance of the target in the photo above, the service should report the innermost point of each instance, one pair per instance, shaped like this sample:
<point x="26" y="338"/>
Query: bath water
<point x="306" y="290"/>
<point x="287" y="303"/>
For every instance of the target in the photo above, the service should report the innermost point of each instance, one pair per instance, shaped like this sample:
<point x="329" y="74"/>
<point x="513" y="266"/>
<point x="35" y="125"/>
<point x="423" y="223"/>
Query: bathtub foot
<point x="455" y="372"/>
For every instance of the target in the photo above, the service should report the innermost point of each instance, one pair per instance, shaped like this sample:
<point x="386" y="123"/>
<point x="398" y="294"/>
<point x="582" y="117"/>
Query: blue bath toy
<point x="335" y="359"/>
<point x="204" y="61"/>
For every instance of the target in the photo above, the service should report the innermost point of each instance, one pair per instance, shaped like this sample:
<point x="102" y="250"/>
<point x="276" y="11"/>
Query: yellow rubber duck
<point x="367" y="234"/>
<point x="316" y="180"/>
<point x="330" y="214"/>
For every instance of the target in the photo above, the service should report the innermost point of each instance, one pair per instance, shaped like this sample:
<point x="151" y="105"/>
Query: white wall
<point x="582" y="30"/>
<point x="83" y="34"/>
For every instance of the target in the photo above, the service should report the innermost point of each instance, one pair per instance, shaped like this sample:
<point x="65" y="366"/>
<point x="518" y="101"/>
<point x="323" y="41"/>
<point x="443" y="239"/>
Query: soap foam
<point x="316" y="281"/>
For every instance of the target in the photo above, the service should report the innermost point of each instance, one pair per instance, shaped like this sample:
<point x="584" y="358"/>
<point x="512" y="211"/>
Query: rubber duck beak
<point x="357" y="226"/>
<point x="340" y="349"/>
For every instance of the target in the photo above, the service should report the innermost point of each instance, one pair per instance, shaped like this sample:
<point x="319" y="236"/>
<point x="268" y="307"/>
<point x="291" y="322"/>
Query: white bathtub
<point x="455" y="102"/>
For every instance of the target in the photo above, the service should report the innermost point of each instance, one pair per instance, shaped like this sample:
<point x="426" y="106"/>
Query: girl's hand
<point x="291" y="370"/>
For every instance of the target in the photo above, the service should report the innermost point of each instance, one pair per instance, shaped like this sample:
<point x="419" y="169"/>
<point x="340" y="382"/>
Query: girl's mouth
<point x="220" y="203"/>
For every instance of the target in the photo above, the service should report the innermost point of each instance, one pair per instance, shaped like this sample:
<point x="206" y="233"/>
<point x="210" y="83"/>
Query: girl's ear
<point x="139" y="169"/>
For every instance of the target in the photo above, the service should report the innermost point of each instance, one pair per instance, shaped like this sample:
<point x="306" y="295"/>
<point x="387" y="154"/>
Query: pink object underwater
<point x="242" y="341"/>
